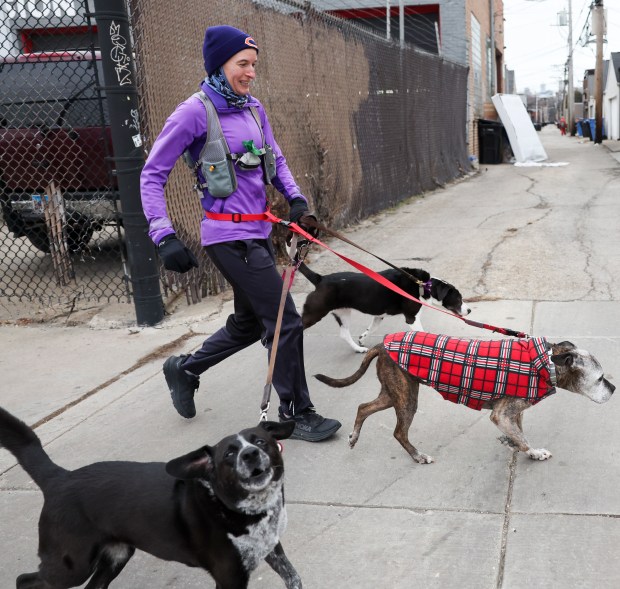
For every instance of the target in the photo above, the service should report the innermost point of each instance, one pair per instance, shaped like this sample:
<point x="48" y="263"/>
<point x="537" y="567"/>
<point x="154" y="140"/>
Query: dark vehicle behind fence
<point x="54" y="129"/>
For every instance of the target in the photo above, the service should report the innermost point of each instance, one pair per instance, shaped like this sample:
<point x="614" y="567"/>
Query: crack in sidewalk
<point x="512" y="469"/>
<point x="158" y="353"/>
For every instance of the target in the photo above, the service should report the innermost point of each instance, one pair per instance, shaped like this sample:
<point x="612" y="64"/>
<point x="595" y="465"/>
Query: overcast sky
<point x="537" y="48"/>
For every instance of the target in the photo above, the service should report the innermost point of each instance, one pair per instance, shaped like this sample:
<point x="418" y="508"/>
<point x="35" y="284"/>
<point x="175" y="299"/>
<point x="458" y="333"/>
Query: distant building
<point x="611" y="98"/>
<point x="510" y="85"/>
<point x="588" y="94"/>
<point x="542" y="106"/>
<point x="578" y="110"/>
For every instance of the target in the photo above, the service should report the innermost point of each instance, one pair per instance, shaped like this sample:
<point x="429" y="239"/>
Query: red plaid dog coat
<point x="471" y="371"/>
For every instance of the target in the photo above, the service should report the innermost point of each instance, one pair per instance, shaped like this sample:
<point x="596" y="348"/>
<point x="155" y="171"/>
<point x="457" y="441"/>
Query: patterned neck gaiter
<point x="217" y="80"/>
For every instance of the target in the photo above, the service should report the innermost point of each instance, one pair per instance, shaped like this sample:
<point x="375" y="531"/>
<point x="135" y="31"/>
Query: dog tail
<point x="310" y="274"/>
<point x="23" y="443"/>
<point x="371" y="354"/>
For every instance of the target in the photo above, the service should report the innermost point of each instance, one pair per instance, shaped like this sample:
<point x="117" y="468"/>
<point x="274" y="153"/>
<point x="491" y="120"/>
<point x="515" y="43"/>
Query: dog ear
<point x="278" y="430"/>
<point x="420" y="274"/>
<point x="440" y="288"/>
<point x="566" y="359"/>
<point x="566" y="345"/>
<point x="195" y="465"/>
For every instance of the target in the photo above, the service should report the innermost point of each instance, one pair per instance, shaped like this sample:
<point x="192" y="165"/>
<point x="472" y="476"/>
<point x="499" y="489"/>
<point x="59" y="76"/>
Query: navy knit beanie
<point x="221" y="43"/>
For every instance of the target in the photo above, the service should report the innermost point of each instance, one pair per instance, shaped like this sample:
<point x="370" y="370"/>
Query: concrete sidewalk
<point x="535" y="249"/>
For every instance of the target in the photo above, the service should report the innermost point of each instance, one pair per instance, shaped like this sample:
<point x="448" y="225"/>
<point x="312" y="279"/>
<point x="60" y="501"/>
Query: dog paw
<point x="352" y="440"/>
<point x="361" y="350"/>
<point x="539" y="454"/>
<point x="423" y="458"/>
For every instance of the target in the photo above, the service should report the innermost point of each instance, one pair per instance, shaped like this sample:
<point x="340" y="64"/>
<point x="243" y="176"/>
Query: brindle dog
<point x="576" y="369"/>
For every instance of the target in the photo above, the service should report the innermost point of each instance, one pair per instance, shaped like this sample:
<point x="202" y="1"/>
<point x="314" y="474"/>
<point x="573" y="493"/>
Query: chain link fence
<point x="60" y="235"/>
<point x="363" y="122"/>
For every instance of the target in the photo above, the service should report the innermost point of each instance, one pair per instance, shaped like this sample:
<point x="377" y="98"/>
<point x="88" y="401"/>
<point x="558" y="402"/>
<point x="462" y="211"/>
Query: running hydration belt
<point x="217" y="163"/>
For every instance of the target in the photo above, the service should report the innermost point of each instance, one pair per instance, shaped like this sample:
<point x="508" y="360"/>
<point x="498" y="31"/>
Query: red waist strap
<point x="236" y="217"/>
<point x="269" y="216"/>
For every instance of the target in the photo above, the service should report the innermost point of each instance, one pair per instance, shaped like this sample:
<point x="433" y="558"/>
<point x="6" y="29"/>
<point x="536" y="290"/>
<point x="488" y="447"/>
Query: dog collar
<point x="553" y="377"/>
<point x="425" y="288"/>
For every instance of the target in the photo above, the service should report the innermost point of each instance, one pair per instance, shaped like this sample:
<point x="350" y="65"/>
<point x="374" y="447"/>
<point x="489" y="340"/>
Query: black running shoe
<point x="310" y="426"/>
<point x="182" y="386"/>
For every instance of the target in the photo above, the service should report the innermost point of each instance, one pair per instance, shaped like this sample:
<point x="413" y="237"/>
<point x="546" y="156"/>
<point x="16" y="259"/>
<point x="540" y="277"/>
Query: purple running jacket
<point x="186" y="128"/>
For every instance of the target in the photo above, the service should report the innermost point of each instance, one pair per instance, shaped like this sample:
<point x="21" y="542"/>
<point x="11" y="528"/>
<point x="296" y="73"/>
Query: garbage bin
<point x="490" y="141"/>
<point x="586" y="128"/>
<point x="592" y="126"/>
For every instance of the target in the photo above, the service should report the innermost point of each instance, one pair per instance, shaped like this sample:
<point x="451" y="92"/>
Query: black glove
<point x="299" y="210"/>
<point x="175" y="255"/>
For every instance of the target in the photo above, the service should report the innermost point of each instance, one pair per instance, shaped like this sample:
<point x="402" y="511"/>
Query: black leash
<point x="311" y="222"/>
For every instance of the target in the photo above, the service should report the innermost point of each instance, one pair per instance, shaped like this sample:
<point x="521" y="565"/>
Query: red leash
<point x="269" y="216"/>
<point x="385" y="282"/>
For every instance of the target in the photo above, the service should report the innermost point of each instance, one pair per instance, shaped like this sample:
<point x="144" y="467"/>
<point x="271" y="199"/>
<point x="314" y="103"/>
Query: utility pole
<point x="122" y="96"/>
<point x="598" y="26"/>
<point x="571" y="90"/>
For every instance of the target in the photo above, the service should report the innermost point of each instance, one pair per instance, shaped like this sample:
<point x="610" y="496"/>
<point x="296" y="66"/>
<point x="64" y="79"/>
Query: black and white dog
<point x="340" y="292"/>
<point x="220" y="508"/>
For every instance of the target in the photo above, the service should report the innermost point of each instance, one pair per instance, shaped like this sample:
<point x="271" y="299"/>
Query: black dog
<point x="340" y="292"/>
<point x="220" y="508"/>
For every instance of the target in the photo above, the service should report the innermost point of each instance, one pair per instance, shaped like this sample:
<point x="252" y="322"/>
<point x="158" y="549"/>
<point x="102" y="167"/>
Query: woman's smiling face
<point x="240" y="71"/>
